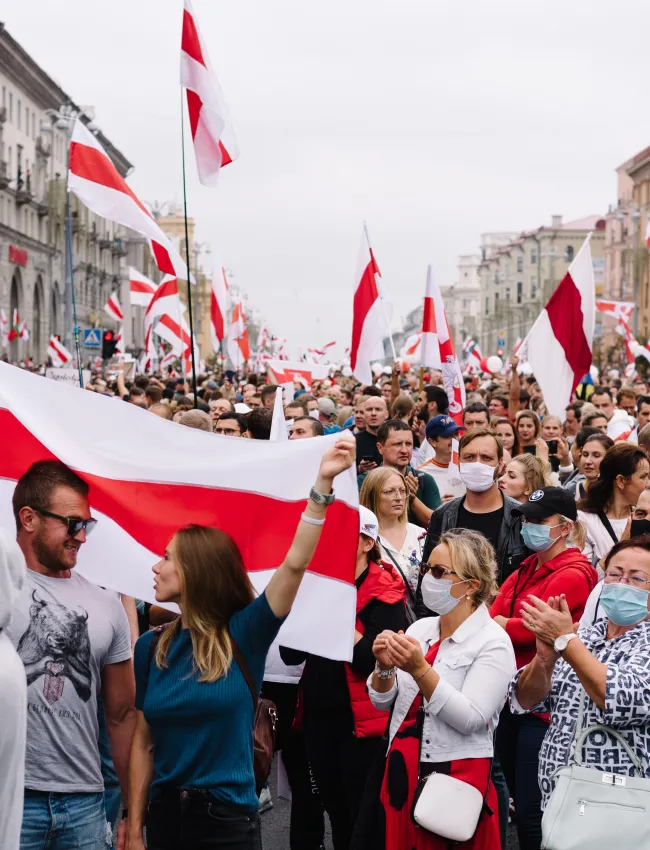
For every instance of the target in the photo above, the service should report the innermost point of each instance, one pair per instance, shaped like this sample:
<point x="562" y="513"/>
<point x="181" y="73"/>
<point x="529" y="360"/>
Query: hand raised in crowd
<point x="547" y="621"/>
<point x="367" y="466"/>
<point x="541" y="449"/>
<point x="338" y="457"/>
<point x="563" y="451"/>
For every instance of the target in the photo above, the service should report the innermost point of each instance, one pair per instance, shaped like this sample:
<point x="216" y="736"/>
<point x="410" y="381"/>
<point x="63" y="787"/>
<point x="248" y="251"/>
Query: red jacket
<point x="382" y="583"/>
<point x="569" y="573"/>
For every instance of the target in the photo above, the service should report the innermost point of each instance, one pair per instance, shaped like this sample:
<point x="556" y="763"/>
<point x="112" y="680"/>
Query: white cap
<point x="240" y="407"/>
<point x="368" y="524"/>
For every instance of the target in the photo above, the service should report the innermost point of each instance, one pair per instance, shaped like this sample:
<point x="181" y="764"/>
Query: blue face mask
<point x="538" y="537"/>
<point x="624" y="605"/>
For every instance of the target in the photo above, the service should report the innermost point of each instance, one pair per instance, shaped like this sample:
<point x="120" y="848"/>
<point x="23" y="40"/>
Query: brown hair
<point x="35" y="487"/>
<point x="402" y="407"/>
<point x="475" y="433"/>
<point x="371" y="490"/>
<point x="214" y="586"/>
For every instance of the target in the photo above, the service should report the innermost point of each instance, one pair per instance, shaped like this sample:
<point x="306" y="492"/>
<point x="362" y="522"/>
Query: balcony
<point x="118" y="248"/>
<point x="4" y="175"/>
<point x="105" y="243"/>
<point x="23" y="188"/>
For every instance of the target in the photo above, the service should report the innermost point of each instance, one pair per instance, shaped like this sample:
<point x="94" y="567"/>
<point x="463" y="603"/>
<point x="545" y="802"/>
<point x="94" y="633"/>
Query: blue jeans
<point x="53" y="821"/>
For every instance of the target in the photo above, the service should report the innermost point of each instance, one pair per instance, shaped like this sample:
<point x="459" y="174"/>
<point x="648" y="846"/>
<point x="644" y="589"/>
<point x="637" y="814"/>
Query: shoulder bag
<point x="591" y="809"/>
<point x="602" y="516"/>
<point x="409" y="604"/>
<point x="446" y="806"/>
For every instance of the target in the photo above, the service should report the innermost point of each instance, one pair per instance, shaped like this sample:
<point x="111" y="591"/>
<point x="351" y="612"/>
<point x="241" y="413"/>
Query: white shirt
<point x="475" y="666"/>
<point x="446" y="477"/>
<point x="599" y="540"/>
<point x="409" y="556"/>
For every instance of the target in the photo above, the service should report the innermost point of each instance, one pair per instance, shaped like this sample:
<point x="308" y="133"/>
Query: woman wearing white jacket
<point x="446" y="680"/>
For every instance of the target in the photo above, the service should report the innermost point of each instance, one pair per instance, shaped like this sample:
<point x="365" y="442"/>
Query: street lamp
<point x="63" y="119"/>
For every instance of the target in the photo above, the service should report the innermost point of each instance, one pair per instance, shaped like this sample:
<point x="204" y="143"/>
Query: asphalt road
<point x="275" y="824"/>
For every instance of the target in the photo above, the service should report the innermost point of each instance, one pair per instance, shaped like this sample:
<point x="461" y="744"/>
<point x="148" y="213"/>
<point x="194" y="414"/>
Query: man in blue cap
<point x="441" y="431"/>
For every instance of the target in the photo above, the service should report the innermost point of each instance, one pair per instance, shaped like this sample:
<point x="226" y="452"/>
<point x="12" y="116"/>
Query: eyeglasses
<point x="396" y="492"/>
<point x="436" y="570"/>
<point x="619" y="578"/>
<point x="228" y="432"/>
<point x="74" y="524"/>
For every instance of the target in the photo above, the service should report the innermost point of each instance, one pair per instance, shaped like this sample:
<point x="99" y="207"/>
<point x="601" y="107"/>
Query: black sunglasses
<point x="74" y="524"/>
<point x="436" y="570"/>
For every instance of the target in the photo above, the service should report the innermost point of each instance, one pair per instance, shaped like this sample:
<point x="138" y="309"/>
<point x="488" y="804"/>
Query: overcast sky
<point x="435" y="121"/>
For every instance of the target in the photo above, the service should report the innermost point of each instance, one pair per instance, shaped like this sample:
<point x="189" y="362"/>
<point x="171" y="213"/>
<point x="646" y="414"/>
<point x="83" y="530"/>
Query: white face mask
<point x="436" y="594"/>
<point x="477" y="477"/>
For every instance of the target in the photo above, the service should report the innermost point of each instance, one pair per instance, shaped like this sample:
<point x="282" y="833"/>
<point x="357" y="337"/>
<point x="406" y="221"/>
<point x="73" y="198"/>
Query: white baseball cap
<point x="368" y="524"/>
<point x="240" y="407"/>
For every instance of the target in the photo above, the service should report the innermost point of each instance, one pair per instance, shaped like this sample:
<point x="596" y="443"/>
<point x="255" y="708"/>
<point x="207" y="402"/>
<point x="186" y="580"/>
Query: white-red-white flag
<point x="148" y="479"/>
<point x="141" y="288"/>
<point x="452" y="375"/>
<point x="212" y="132"/>
<point x="93" y="178"/>
<point x="278" y="422"/>
<point x="430" y="350"/>
<point x="369" y="316"/>
<point x="58" y="353"/>
<point x="286" y="372"/>
<point x="411" y="348"/>
<point x="560" y="342"/>
<point x="112" y="307"/>
<point x="219" y="304"/>
<point x="621" y="310"/>
<point x="165" y="302"/>
<point x="238" y="346"/>
<point x="119" y="341"/>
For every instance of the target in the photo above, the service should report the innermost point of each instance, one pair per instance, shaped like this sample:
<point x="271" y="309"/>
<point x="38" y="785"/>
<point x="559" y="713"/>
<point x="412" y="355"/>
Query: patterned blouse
<point x="627" y="706"/>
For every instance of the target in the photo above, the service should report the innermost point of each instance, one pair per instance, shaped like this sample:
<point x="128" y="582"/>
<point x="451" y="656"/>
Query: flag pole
<point x="73" y="302"/>
<point x="381" y="298"/>
<point x="187" y="260"/>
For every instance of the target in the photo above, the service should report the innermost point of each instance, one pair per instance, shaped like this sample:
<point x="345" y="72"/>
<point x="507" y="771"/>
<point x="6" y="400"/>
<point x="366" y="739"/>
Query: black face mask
<point x="639" y="527"/>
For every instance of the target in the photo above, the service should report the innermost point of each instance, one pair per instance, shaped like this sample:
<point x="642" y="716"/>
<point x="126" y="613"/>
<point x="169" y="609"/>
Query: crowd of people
<point x="501" y="633"/>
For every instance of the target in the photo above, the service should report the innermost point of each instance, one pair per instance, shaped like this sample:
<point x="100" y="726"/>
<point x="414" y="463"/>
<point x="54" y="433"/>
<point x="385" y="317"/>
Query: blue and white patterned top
<point x="627" y="706"/>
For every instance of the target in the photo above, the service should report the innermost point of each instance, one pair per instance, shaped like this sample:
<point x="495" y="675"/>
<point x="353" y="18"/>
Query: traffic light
<point x="109" y="344"/>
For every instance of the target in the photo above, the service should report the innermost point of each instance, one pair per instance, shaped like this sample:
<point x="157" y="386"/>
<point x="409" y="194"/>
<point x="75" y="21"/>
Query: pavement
<point x="275" y="823"/>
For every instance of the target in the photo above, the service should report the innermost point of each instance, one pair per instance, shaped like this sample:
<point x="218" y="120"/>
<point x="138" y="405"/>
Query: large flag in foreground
<point x="559" y="343"/>
<point x="98" y="184"/>
<point x="149" y="477"/>
<point x="369" y="317"/>
<point x="212" y="132"/>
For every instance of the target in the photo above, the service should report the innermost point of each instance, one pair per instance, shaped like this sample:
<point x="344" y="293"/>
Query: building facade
<point x="462" y="301"/>
<point x="635" y="213"/>
<point x="517" y="277"/>
<point x="33" y="165"/>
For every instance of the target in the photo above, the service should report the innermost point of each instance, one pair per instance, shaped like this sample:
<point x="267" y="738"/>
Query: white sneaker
<point x="265" y="800"/>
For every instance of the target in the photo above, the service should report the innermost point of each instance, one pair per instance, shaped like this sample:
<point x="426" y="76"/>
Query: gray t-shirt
<point x="66" y="630"/>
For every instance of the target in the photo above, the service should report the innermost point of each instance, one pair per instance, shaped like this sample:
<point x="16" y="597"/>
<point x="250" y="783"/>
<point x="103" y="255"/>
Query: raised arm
<point x="514" y="403"/>
<point x="283" y="587"/>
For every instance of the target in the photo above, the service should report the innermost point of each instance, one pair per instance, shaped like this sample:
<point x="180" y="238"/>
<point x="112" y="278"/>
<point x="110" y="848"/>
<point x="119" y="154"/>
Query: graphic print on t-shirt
<point x="56" y="645"/>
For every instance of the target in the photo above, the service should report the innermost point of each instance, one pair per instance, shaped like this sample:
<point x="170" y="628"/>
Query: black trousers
<point x="519" y="739"/>
<point x="341" y="763"/>
<point x="187" y="819"/>
<point x="307" y="823"/>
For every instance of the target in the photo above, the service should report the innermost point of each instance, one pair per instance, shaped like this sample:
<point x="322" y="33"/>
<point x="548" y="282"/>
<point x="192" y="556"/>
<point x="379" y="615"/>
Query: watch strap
<point x="321" y="498"/>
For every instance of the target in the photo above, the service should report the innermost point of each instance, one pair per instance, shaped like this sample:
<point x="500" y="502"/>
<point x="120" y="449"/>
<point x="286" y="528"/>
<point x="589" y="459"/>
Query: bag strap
<point x="602" y="516"/>
<point x="153" y="646"/>
<point x="239" y="658"/>
<point x="404" y="579"/>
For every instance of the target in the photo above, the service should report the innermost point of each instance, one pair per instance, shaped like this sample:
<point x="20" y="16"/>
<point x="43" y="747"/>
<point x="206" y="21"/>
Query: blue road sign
<point x="92" y="337"/>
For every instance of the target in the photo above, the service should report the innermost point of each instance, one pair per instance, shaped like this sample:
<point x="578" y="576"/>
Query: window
<point x="19" y="114"/>
<point x="11" y="108"/>
<point x="4" y="95"/>
<point x="9" y="160"/>
<point x="27" y="120"/>
<point x="533" y="257"/>
<point x="487" y="306"/>
<point x="520" y="264"/>
<point x="568" y="254"/>
<point x="507" y="293"/>
<point x="496" y="299"/>
<point x="533" y="285"/>
<point x="520" y="292"/>
<point x="33" y="125"/>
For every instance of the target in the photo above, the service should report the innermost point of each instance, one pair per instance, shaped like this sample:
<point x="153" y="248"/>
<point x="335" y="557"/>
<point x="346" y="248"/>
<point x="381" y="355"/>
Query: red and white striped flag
<point x="212" y="132"/>
<point x="4" y="329"/>
<point x="411" y="348"/>
<point x="142" y="289"/>
<point x="452" y="376"/>
<point x="14" y="330"/>
<point x="98" y="184"/>
<point x="165" y="302"/>
<point x="112" y="307"/>
<point x="119" y="341"/>
<point x="370" y="314"/>
<point x="219" y="304"/>
<point x="621" y="310"/>
<point x="286" y="372"/>
<point x="148" y="479"/>
<point x="238" y="347"/>
<point x="430" y="350"/>
<point x="559" y="343"/>
<point x="58" y="353"/>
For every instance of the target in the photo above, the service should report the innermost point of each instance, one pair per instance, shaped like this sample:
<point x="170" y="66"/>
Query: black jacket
<point x="510" y="548"/>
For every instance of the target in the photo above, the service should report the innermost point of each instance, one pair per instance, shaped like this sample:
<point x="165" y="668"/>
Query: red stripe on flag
<point x="429" y="317"/>
<point x="141" y="286"/>
<point x="216" y="317"/>
<point x="567" y="321"/>
<point x="365" y="296"/>
<point x="194" y="105"/>
<point x="190" y="41"/>
<point x="226" y="159"/>
<point x="151" y="512"/>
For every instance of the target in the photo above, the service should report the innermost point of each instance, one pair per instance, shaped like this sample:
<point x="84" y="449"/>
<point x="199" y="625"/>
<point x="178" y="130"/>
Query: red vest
<point x="382" y="583"/>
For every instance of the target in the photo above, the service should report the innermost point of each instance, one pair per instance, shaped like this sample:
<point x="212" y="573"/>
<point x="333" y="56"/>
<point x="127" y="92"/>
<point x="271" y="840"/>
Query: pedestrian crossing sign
<point x="92" y="337"/>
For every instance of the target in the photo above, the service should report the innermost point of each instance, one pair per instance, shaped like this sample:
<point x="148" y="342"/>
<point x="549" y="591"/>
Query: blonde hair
<point x="344" y="414"/>
<point x="537" y="472"/>
<point x="578" y="535"/>
<point x="214" y="586"/>
<point x="473" y="558"/>
<point x="373" y="485"/>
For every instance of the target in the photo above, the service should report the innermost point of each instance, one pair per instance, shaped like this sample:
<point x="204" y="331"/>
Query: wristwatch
<point x="561" y="642"/>
<point x="321" y="498"/>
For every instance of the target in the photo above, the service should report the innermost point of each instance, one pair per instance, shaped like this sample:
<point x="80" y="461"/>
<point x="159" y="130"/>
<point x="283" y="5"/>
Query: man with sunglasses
<point x="74" y="641"/>
<point x="231" y="425"/>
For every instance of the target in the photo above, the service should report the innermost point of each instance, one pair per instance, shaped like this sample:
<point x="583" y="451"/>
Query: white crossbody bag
<point x="445" y="806"/>
<point x="591" y="809"/>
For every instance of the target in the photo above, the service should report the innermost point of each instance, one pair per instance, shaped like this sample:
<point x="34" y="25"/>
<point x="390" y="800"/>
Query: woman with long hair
<point x="342" y="729"/>
<point x="505" y="430"/>
<point x="607" y="507"/>
<point x="556" y="567"/>
<point x="523" y="476"/>
<point x="445" y="681"/>
<point x="385" y="493"/>
<point x="191" y="769"/>
<point x="528" y="427"/>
